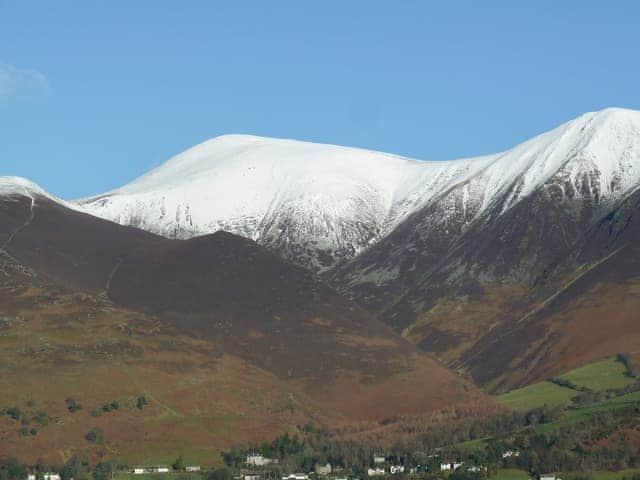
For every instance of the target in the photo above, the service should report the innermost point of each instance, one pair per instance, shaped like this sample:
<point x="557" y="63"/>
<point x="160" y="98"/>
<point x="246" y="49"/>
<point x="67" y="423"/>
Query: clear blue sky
<point x="94" y="93"/>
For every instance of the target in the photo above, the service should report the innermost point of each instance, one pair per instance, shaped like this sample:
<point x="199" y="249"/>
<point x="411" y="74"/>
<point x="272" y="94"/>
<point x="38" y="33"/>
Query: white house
<point x="447" y="467"/>
<point x="549" y="476"/>
<point x="296" y="476"/>
<point x="139" y="470"/>
<point x="252" y="476"/>
<point x="51" y="476"/>
<point x="475" y="468"/>
<point x="376" y="472"/>
<point x="511" y="453"/>
<point x="192" y="468"/>
<point x="258" y="460"/>
<point x="395" y="469"/>
<point x="378" y="459"/>
<point x="323" y="469"/>
<point x="31" y="476"/>
<point x="161" y="469"/>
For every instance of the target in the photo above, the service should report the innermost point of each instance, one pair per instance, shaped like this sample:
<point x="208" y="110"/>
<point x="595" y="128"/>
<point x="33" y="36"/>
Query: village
<point x="259" y="467"/>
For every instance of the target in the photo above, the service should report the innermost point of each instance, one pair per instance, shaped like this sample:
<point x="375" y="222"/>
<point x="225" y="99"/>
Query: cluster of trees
<point x="141" y="402"/>
<point x="72" y="405"/>
<point x="625" y="359"/>
<point x="563" y="382"/>
<point x="573" y="447"/>
<point x="12" y="470"/>
<point x="95" y="435"/>
<point x="26" y="421"/>
<point x="282" y="447"/>
<point x="106" y="408"/>
<point x="76" y="468"/>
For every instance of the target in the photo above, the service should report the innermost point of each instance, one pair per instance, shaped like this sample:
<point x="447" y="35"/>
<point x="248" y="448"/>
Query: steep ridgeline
<point x="231" y="291"/>
<point x="489" y="254"/>
<point x="445" y="252"/>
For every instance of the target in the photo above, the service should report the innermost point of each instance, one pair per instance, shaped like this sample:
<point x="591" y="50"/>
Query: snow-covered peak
<point x="10" y="186"/>
<point x="23" y="187"/>
<point x="316" y="203"/>
<point x="260" y="158"/>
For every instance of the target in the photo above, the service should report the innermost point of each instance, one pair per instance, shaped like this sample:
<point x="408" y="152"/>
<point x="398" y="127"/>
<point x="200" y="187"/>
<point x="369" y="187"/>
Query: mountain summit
<point x="317" y="204"/>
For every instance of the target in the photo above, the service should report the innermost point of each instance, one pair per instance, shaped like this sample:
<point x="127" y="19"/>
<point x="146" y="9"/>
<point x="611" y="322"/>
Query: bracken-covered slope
<point x="57" y="344"/>
<point x="249" y="302"/>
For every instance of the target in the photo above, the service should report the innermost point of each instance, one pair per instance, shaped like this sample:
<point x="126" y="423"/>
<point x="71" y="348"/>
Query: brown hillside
<point x="56" y="344"/>
<point x="244" y="322"/>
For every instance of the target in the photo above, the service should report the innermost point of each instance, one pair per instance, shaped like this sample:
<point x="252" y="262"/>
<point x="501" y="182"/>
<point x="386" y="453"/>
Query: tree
<point x="72" y="405"/>
<point x="95" y="435"/>
<point x="220" y="474"/>
<point x="12" y="470"/>
<point x="105" y="470"/>
<point x="178" y="465"/>
<point x="14" y="412"/>
<point x="141" y="402"/>
<point x="77" y="468"/>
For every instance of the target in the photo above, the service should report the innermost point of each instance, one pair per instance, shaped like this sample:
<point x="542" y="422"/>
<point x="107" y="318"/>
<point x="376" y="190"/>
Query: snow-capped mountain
<point x="505" y="248"/>
<point x="316" y="203"/>
<point x="456" y="255"/>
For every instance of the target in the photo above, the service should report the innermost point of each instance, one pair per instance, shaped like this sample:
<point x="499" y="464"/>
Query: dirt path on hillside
<point x="32" y="214"/>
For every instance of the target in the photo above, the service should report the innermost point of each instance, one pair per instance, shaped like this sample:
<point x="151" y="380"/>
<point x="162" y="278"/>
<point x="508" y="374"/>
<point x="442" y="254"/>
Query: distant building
<point x="448" y="467"/>
<point x="139" y="470"/>
<point x="296" y="476"/>
<point x="549" y="476"/>
<point x="252" y="476"/>
<point x="475" y="469"/>
<point x="192" y="468"/>
<point x="511" y="453"/>
<point x="395" y="469"/>
<point x="160" y="469"/>
<point x="31" y="476"/>
<point x="376" y="472"/>
<point x="378" y="459"/>
<point x="258" y="460"/>
<point x="51" y="476"/>
<point x="322" y="469"/>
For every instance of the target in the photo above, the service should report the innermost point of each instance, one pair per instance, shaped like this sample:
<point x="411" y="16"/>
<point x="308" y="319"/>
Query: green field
<point x="159" y="476"/>
<point x="513" y="474"/>
<point x="605" y="475"/>
<point x="510" y="474"/>
<point x="599" y="376"/>
<point x="604" y="375"/>
<point x="537" y="395"/>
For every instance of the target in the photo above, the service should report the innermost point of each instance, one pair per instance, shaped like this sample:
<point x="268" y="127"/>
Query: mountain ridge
<point x="320" y="205"/>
